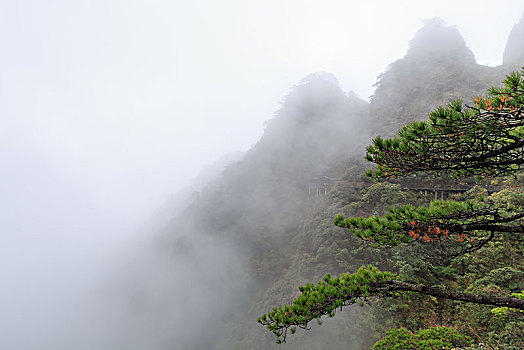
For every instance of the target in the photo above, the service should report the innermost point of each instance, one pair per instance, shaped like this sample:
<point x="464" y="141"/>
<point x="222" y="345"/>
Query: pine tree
<point x="485" y="140"/>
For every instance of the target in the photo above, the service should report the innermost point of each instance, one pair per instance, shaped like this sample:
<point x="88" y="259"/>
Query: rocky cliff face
<point x="514" y="52"/>
<point x="437" y="68"/>
<point x="255" y="232"/>
<point x="437" y="42"/>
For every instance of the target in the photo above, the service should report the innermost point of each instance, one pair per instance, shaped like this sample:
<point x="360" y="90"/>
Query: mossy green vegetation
<point x="280" y="234"/>
<point x="434" y="338"/>
<point x="324" y="298"/>
<point x="458" y="142"/>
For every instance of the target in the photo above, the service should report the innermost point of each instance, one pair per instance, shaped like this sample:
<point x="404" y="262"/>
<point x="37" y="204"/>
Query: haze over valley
<point x="161" y="161"/>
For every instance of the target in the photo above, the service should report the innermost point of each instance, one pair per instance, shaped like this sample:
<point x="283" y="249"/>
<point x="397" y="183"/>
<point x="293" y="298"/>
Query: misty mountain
<point x="252" y="208"/>
<point x="437" y="69"/>
<point x="180" y="200"/>
<point x="257" y="231"/>
<point x="514" y="51"/>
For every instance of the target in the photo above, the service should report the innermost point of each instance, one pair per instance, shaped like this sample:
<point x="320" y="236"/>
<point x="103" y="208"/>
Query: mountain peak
<point x="437" y="41"/>
<point x="514" y="51"/>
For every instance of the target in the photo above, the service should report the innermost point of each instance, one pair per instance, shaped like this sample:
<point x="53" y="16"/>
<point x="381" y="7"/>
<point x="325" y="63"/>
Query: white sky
<point x="132" y="97"/>
<point x="108" y="106"/>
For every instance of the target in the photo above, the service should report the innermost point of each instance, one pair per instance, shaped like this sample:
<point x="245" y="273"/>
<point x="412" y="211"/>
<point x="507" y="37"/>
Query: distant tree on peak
<point x="318" y="77"/>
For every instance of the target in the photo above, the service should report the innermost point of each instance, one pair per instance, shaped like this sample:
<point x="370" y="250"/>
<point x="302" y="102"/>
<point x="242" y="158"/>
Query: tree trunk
<point x="442" y="293"/>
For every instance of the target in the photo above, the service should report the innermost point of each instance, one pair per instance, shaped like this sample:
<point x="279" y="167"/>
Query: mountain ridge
<point x="261" y="207"/>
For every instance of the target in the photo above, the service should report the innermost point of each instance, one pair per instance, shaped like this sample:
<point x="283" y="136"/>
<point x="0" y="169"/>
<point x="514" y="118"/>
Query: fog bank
<point x="109" y="108"/>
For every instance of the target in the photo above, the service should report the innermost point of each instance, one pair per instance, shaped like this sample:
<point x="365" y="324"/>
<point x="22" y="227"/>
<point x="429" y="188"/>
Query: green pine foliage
<point x="483" y="140"/>
<point x="441" y="220"/>
<point x="469" y="224"/>
<point x="434" y="338"/>
<point x="281" y="235"/>
<point x="324" y="298"/>
<point x="503" y="311"/>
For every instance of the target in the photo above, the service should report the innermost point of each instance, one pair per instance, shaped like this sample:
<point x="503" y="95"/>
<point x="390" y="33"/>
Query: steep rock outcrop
<point x="514" y="51"/>
<point x="437" y="68"/>
<point x="275" y="235"/>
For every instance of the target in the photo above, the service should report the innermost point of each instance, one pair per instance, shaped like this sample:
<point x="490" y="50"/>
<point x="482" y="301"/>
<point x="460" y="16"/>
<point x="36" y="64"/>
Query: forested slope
<point x="265" y="226"/>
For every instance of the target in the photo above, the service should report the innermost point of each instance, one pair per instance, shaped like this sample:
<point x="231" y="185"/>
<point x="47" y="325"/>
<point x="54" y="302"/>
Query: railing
<point x="321" y="186"/>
